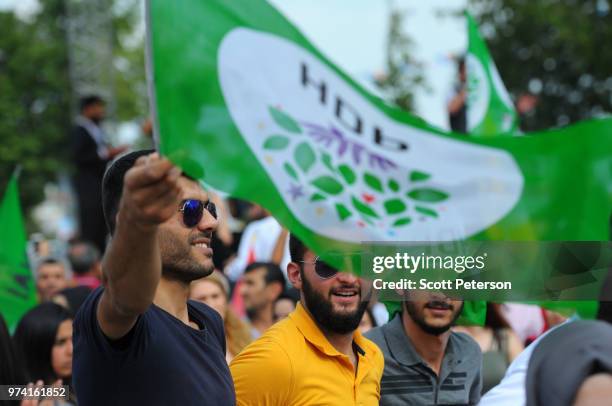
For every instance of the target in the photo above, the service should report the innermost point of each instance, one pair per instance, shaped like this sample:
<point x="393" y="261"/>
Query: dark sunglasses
<point x="322" y="268"/>
<point x="193" y="211"/>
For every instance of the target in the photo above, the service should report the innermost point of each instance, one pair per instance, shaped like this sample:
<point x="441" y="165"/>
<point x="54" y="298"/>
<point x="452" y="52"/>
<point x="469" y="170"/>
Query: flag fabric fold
<point x="490" y="110"/>
<point x="17" y="292"/>
<point x="247" y="104"/>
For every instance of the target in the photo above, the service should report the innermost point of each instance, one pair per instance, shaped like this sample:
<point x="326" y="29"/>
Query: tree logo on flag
<point x="343" y="167"/>
<point x="385" y="200"/>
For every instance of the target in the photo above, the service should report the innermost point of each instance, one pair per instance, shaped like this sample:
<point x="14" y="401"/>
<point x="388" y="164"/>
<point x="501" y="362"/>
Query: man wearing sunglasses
<point x="316" y="355"/>
<point x="138" y="340"/>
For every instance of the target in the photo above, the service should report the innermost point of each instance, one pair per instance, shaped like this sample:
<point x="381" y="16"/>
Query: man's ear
<point x="294" y="275"/>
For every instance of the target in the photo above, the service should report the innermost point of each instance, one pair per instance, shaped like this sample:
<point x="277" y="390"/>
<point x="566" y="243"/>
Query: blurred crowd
<point x="250" y="290"/>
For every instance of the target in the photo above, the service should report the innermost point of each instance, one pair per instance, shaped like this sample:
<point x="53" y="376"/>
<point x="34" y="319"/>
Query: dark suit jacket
<point x="85" y="154"/>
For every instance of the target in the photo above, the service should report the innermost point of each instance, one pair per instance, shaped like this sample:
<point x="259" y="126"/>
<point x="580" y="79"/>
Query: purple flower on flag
<point x="332" y="136"/>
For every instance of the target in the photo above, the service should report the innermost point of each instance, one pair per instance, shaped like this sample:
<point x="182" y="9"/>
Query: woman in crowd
<point x="499" y="345"/>
<point x="214" y="291"/>
<point x="284" y="305"/>
<point x="43" y="341"/>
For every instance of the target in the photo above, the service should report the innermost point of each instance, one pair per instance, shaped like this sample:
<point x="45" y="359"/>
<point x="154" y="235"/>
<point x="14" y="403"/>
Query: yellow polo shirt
<point x="294" y="364"/>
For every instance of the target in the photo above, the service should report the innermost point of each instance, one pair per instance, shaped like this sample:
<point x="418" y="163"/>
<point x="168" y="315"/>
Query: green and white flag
<point x="490" y="110"/>
<point x="17" y="292"/>
<point x="244" y="102"/>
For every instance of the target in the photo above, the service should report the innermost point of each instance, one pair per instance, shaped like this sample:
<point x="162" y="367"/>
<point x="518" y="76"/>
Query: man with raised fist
<point x="138" y="340"/>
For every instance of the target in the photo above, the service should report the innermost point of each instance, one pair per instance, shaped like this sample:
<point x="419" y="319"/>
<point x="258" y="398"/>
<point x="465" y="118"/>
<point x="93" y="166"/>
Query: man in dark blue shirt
<point x="138" y="340"/>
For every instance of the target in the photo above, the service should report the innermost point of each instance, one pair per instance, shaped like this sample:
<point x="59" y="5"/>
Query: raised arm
<point x="132" y="264"/>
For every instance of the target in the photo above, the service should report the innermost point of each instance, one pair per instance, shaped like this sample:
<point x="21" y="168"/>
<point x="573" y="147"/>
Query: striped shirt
<point x="408" y="380"/>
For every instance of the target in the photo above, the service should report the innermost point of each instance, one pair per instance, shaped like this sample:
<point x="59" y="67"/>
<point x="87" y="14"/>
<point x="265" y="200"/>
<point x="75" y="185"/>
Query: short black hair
<point x="48" y="261"/>
<point x="75" y="297"/>
<point x="112" y="185"/>
<point x="11" y="368"/>
<point x="297" y="249"/>
<point x="34" y="339"/>
<point x="90" y="100"/>
<point x="83" y="256"/>
<point x="273" y="272"/>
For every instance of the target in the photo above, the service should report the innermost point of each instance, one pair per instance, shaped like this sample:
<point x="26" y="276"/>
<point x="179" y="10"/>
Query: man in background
<point x="262" y="284"/>
<point x="425" y="362"/>
<point x="90" y="154"/>
<point x="50" y="278"/>
<point x="86" y="266"/>
<point x="457" y="105"/>
<point x="263" y="240"/>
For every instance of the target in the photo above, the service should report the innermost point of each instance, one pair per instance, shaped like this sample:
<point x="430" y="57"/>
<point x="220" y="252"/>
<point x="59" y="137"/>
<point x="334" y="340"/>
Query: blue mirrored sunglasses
<point x="193" y="211"/>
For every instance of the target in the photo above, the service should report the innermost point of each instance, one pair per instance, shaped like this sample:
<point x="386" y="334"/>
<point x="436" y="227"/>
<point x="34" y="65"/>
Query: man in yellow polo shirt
<point x="316" y="356"/>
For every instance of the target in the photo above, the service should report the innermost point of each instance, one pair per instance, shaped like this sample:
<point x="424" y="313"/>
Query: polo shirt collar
<point x="313" y="334"/>
<point x="402" y="348"/>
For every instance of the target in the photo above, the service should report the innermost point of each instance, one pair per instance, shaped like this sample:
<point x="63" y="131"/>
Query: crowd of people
<point x="194" y="298"/>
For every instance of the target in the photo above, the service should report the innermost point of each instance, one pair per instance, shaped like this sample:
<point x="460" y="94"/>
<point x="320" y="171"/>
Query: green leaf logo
<point x="276" y="142"/>
<point x="416" y="176"/>
<point x="327" y="161"/>
<point x="373" y="182"/>
<point x="395" y="206"/>
<point x="328" y="185"/>
<point x="290" y="171"/>
<point x="393" y="185"/>
<point x="285" y="121"/>
<point x="363" y="208"/>
<point x="384" y="199"/>
<point x="343" y="212"/>
<point x="402" y="221"/>
<point x="304" y="156"/>
<point x="427" y="195"/>
<point x="426" y="211"/>
<point x="317" y="197"/>
<point x="347" y="173"/>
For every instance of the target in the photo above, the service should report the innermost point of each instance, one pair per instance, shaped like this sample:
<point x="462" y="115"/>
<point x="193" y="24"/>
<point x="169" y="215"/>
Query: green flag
<point x="490" y="110"/>
<point x="17" y="293"/>
<point x="244" y="102"/>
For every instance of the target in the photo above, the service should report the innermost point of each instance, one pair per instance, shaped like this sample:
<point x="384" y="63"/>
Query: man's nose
<point x="208" y="222"/>
<point x="347" y="277"/>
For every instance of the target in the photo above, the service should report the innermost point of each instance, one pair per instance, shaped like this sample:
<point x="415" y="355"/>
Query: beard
<point x="253" y="311"/>
<point x="178" y="262"/>
<point x="418" y="317"/>
<point x="322" y="310"/>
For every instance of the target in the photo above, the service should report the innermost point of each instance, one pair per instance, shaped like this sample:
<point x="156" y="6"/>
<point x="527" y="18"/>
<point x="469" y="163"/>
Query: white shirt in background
<point x="526" y="320"/>
<point x="258" y="241"/>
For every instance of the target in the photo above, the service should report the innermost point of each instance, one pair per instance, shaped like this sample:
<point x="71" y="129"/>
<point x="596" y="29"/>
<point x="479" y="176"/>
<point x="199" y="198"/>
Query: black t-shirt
<point x="161" y="361"/>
